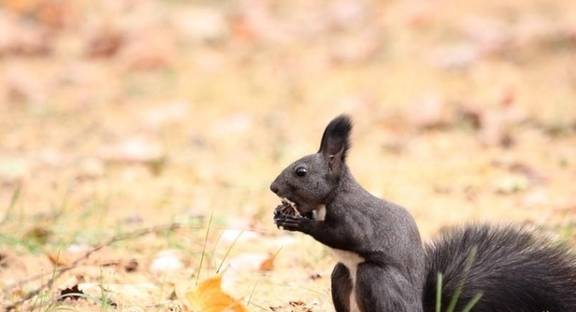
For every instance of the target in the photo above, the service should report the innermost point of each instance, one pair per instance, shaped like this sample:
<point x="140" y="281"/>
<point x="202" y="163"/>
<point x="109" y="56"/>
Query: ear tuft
<point x="336" y="137"/>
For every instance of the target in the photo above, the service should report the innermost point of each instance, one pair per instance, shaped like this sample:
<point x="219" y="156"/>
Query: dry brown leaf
<point x="104" y="43"/>
<point x="209" y="297"/>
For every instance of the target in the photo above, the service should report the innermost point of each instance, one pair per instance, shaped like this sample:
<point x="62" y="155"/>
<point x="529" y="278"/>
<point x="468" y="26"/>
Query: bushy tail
<point x="514" y="270"/>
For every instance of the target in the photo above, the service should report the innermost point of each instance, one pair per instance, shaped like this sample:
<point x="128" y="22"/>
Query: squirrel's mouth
<point x="291" y="208"/>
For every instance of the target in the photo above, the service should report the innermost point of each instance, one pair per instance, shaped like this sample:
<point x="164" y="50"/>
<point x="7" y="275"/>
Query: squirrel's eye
<point x="301" y="171"/>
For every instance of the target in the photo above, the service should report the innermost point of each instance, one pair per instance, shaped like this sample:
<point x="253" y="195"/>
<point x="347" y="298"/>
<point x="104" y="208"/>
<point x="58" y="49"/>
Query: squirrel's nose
<point x="274" y="188"/>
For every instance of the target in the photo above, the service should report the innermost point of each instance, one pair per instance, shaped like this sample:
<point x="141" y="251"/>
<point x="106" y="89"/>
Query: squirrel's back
<point x="512" y="269"/>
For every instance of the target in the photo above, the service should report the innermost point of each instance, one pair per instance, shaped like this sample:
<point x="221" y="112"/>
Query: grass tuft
<point x="456" y="296"/>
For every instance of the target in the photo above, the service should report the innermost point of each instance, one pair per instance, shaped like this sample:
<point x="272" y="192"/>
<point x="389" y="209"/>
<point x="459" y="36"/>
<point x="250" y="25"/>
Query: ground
<point x="146" y="134"/>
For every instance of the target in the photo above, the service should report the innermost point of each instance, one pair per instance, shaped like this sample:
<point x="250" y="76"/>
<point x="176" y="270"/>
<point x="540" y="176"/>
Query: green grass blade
<point x="472" y="303"/>
<point x="252" y="293"/>
<point x="469" y="261"/>
<point x="13" y="201"/>
<point x="228" y="251"/>
<point x="204" y="248"/>
<point x="439" y="293"/>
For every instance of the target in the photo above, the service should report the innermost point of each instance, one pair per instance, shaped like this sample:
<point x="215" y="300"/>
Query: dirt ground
<point x="138" y="138"/>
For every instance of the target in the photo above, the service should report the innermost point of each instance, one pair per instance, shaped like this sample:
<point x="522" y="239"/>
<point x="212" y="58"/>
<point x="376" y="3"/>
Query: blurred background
<point x="123" y="114"/>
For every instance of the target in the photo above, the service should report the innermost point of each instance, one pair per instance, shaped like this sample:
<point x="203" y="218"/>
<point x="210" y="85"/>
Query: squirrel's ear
<point x="336" y="141"/>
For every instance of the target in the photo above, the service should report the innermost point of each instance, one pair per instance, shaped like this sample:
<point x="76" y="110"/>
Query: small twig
<point x="59" y="272"/>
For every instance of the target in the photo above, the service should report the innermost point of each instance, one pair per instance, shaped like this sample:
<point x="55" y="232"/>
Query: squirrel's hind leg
<point x="341" y="288"/>
<point x="381" y="288"/>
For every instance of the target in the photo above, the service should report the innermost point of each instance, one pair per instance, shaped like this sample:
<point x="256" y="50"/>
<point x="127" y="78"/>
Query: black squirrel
<point x="383" y="265"/>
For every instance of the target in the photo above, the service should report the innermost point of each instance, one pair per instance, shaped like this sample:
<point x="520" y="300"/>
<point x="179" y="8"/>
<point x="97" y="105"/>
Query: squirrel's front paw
<point x="292" y="223"/>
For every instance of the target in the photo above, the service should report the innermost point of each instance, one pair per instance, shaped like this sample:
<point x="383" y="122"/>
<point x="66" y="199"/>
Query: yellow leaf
<point x="209" y="297"/>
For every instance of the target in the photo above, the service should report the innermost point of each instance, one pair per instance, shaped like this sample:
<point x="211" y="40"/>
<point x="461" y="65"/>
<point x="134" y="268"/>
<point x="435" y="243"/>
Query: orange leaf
<point x="268" y="264"/>
<point x="209" y="297"/>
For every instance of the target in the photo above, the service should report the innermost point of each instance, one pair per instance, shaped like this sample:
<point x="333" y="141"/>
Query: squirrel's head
<point x="312" y="180"/>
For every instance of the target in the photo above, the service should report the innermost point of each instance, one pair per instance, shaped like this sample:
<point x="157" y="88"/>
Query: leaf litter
<point x="159" y="112"/>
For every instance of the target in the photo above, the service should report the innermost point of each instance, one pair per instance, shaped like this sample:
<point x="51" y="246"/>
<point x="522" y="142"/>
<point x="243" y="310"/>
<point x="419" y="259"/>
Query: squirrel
<point x="383" y="264"/>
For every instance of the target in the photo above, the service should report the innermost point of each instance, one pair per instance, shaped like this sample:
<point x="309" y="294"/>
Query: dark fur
<point x="513" y="270"/>
<point x="336" y="136"/>
<point x="341" y="287"/>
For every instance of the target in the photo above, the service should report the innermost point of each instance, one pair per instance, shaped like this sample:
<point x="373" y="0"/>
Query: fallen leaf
<point x="268" y="263"/>
<point x="60" y="259"/>
<point x="209" y="297"/>
<point x="104" y="43"/>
